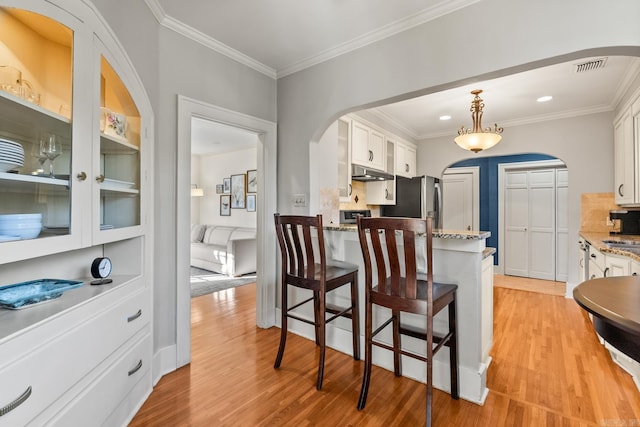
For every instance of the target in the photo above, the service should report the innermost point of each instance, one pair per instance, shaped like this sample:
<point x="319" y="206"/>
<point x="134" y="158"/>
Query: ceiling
<point x="279" y="37"/>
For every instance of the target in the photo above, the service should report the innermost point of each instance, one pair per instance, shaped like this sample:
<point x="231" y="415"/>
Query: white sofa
<point x="223" y="249"/>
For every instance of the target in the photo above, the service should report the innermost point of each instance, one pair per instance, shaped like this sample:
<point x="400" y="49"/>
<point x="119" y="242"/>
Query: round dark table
<point x="615" y="305"/>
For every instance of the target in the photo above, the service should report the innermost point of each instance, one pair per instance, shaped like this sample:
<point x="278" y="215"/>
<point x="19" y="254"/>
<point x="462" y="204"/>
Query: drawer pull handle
<point x="19" y="401"/>
<point x="135" y="316"/>
<point x="136" y="368"/>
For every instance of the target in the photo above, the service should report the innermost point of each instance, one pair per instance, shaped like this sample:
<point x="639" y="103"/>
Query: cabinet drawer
<point x="57" y="365"/>
<point x="90" y="407"/>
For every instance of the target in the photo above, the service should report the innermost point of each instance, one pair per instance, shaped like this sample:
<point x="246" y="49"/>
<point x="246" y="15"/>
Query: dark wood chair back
<point x="300" y="262"/>
<point x="387" y="241"/>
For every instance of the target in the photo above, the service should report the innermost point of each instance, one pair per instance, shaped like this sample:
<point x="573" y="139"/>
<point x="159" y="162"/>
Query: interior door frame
<point x="503" y="168"/>
<point x="265" y="205"/>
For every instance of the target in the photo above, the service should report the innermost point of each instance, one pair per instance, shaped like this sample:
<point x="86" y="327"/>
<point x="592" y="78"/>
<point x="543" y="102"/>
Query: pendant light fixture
<point x="477" y="139"/>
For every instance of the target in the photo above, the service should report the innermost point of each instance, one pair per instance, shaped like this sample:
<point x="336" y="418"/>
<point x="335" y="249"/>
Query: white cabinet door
<point x="616" y="266"/>
<point x="516" y="250"/>
<point x="377" y="149"/>
<point x="624" y="159"/>
<point x="367" y="146"/>
<point x="405" y="160"/>
<point x="359" y="144"/>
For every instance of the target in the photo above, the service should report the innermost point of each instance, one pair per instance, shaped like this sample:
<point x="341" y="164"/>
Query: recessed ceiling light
<point x="445" y="117"/>
<point x="545" y="98"/>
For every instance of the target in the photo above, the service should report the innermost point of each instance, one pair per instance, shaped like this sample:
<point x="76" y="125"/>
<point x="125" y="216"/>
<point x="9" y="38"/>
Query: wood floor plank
<point x="548" y="369"/>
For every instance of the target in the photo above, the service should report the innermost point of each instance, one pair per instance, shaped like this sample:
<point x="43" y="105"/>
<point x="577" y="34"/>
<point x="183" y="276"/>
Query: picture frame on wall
<point x="252" y="181"/>
<point x="225" y="205"/>
<point x="251" y="202"/>
<point x="238" y="191"/>
<point x="219" y="188"/>
<point x="226" y="185"/>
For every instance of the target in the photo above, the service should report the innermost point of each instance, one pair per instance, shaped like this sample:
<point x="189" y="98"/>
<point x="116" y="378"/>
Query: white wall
<point x="212" y="169"/>
<point x="195" y="179"/>
<point x="170" y="64"/>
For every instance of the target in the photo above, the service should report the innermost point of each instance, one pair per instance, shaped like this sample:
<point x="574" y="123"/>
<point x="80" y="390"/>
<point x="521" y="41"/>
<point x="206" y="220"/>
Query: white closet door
<point x="460" y="197"/>
<point x="542" y="214"/>
<point x="562" y="224"/>
<point x="516" y="251"/>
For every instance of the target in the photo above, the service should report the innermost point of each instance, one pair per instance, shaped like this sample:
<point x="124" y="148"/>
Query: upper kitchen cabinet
<point x="626" y="139"/>
<point x="367" y="146"/>
<point x="344" y="160"/>
<point x="405" y="159"/>
<point x="384" y="192"/>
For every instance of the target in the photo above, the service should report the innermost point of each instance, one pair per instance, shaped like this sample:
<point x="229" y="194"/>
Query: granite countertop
<point x="439" y="234"/>
<point x="596" y="240"/>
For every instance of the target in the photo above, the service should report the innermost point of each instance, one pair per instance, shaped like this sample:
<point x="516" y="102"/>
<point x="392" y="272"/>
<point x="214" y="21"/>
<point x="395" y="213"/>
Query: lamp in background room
<point x="196" y="191"/>
<point x="477" y="139"/>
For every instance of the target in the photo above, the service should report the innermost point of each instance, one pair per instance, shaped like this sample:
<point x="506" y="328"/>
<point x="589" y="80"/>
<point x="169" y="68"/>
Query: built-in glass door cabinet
<point x="37" y="138"/>
<point x="117" y="165"/>
<point x="384" y="192"/>
<point x="624" y="159"/>
<point x="344" y="160"/>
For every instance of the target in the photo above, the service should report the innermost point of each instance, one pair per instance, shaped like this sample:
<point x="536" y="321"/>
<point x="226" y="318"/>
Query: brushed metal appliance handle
<point x="19" y="401"/>
<point x="134" y="316"/>
<point x="136" y="368"/>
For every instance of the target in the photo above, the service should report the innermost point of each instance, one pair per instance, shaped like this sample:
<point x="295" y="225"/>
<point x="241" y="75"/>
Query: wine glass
<point x="37" y="152"/>
<point x="52" y="149"/>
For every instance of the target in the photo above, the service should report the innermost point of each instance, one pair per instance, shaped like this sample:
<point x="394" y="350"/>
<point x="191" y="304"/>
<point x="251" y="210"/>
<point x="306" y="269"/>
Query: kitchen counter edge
<point x="596" y="240"/>
<point x="439" y="234"/>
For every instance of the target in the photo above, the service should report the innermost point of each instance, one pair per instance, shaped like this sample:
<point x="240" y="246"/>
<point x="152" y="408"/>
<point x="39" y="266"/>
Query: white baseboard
<point x="164" y="361"/>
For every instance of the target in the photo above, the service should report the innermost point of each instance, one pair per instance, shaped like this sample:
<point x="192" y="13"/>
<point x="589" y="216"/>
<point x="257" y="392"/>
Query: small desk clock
<point x="100" y="269"/>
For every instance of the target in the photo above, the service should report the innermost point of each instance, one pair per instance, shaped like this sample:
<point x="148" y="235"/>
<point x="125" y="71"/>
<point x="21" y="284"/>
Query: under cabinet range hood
<point x="362" y="173"/>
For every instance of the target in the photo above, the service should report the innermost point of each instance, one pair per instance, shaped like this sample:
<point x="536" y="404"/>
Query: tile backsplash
<point x="594" y="212"/>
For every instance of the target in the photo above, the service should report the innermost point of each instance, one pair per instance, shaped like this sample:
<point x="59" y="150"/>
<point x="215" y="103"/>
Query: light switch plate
<point x="299" y="200"/>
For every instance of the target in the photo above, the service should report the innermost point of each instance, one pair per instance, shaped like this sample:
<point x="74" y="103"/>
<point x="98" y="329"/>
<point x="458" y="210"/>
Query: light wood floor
<point x="530" y="285"/>
<point x="548" y="369"/>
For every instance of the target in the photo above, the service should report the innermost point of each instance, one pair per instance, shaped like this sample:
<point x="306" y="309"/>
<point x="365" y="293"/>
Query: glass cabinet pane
<point x="35" y="125"/>
<point x="119" y="153"/>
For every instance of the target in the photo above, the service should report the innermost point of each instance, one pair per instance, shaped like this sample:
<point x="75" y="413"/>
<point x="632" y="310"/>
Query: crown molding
<point x="443" y="8"/>
<point x="625" y="83"/>
<point x="393" y="122"/>
<point x="535" y="119"/>
<point x="207" y="41"/>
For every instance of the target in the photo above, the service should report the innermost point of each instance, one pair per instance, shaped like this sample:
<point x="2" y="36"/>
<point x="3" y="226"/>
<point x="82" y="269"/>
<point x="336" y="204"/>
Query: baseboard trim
<point x="164" y="361"/>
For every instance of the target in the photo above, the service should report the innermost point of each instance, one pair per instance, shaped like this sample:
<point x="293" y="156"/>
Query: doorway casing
<point x="266" y="203"/>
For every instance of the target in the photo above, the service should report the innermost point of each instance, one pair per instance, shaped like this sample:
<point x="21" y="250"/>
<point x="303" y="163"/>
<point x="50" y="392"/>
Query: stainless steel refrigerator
<point x="417" y="197"/>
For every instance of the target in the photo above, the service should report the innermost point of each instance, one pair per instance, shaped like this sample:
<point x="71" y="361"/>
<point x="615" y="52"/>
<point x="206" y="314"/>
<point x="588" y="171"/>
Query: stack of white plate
<point x="23" y="226"/>
<point x="11" y="155"/>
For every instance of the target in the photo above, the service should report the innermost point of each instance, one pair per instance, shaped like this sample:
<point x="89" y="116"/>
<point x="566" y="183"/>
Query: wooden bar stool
<point x="400" y="290"/>
<point x="303" y="268"/>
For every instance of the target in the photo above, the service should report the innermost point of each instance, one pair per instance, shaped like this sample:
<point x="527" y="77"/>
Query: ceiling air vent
<point x="592" y="64"/>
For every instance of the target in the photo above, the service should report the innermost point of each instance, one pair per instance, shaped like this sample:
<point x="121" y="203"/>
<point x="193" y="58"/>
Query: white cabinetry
<point x="87" y="354"/>
<point x="384" y="192"/>
<point x="405" y="160"/>
<point x="617" y="266"/>
<point x="367" y="146"/>
<point x="607" y="265"/>
<point x="626" y="149"/>
<point x="597" y="263"/>
<point x="344" y="160"/>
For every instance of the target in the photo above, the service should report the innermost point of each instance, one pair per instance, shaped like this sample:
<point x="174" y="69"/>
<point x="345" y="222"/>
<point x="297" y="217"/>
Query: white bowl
<point x="6" y="166"/>
<point x="21" y="217"/>
<point x="25" y="231"/>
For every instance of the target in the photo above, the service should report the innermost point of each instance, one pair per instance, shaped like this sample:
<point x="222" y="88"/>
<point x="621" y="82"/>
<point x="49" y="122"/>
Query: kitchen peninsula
<point x="459" y="257"/>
